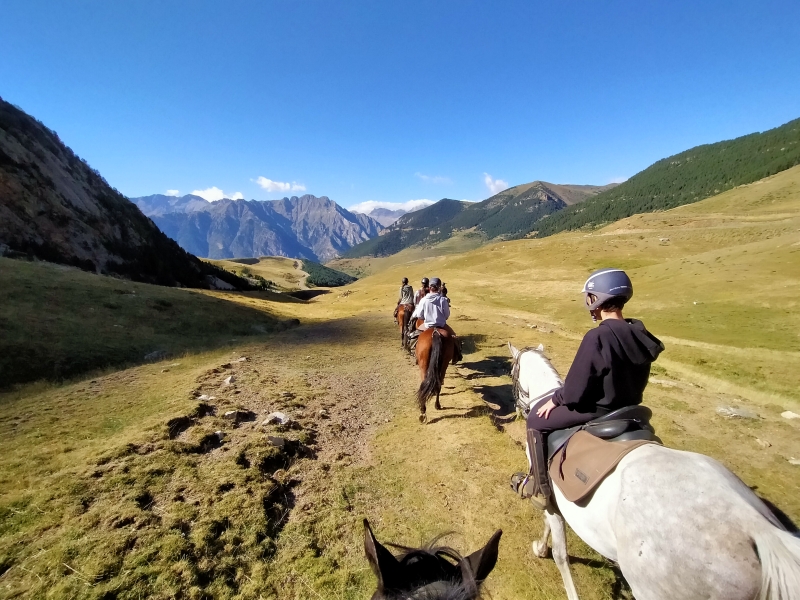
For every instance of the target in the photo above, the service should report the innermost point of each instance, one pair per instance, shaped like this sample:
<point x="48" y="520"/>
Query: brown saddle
<point x="585" y="461"/>
<point x="582" y="456"/>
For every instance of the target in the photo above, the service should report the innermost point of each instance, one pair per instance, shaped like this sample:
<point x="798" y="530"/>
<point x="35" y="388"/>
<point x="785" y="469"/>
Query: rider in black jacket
<point x="610" y="371"/>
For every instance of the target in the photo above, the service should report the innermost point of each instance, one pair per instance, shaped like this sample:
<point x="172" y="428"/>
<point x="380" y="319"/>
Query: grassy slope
<point x="286" y="273"/>
<point x="57" y="322"/>
<point x="686" y="177"/>
<point x="732" y="254"/>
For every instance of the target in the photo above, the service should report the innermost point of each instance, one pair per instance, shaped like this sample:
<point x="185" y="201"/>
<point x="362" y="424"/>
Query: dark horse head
<point x="430" y="573"/>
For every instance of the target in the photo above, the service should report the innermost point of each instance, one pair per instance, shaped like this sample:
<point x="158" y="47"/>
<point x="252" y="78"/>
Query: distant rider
<point x="444" y="291"/>
<point x="421" y="292"/>
<point x="406" y="296"/>
<point x="610" y="371"/>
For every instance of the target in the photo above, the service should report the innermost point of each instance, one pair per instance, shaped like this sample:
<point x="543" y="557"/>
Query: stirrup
<point x="522" y="484"/>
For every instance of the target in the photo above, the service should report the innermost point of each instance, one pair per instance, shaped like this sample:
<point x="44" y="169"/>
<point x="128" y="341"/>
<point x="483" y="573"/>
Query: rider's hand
<point x="545" y="409"/>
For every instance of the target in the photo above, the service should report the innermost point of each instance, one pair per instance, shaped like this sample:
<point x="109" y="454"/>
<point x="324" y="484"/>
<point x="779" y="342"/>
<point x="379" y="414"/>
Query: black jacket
<point x="611" y="367"/>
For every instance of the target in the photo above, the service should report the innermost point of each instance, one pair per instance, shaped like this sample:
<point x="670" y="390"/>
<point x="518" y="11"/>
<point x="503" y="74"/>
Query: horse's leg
<point x="540" y="546"/>
<point x="447" y="356"/>
<point x="557" y="526"/>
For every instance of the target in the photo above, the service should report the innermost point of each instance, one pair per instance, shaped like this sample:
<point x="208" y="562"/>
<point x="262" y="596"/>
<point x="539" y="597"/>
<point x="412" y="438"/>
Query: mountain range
<point x="508" y="214"/>
<point x="386" y="217"/>
<point x="299" y="227"/>
<point x="55" y="207"/>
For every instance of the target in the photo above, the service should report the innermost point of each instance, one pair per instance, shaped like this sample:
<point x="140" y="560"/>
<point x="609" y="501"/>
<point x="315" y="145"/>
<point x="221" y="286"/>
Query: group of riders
<point x="609" y="372"/>
<point x="428" y="307"/>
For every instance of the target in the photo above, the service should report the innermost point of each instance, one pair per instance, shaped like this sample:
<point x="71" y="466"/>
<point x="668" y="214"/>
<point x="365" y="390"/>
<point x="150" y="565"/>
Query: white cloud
<point x="173" y="193"/>
<point x="495" y="185"/>
<point x="213" y="194"/>
<point x="280" y="186"/>
<point x="618" y="179"/>
<point x="370" y="205"/>
<point x="433" y="178"/>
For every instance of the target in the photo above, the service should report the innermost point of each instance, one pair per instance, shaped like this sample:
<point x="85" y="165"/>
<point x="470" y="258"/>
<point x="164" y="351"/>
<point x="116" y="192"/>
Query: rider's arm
<point x="417" y="314"/>
<point x="584" y="383"/>
<point x="445" y="308"/>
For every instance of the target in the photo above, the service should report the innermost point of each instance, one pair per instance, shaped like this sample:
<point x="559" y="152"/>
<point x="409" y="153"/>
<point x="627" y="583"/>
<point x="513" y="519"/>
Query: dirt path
<point x="351" y="391"/>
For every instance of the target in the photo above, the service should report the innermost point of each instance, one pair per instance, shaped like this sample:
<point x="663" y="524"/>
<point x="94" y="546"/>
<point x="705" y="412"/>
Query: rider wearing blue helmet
<point x="610" y="371"/>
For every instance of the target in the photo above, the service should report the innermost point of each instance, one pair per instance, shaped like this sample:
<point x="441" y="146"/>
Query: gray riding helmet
<point x="435" y="281"/>
<point x="605" y="284"/>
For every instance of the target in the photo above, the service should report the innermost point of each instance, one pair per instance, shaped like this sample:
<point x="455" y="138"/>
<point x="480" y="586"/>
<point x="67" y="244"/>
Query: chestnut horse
<point x="435" y="349"/>
<point x="403" y="317"/>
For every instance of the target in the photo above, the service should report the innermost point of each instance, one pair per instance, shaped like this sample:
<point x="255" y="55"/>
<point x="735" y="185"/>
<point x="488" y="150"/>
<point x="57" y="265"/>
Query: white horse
<point x="679" y="524"/>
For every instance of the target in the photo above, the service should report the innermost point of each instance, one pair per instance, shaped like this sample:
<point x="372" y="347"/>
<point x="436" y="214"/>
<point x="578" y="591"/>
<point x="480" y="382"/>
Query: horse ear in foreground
<point x="430" y="573"/>
<point x="679" y="524"/>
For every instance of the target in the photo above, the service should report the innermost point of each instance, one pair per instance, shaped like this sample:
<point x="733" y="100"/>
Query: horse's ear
<point x="514" y="351"/>
<point x="540" y="348"/>
<point x="383" y="563"/>
<point x="483" y="561"/>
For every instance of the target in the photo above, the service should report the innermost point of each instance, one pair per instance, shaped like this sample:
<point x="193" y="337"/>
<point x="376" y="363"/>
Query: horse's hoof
<point x="423" y="418"/>
<point x="540" y="550"/>
<point x="438" y="406"/>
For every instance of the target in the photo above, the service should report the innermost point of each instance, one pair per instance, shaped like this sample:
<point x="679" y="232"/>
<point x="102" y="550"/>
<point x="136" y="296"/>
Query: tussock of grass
<point x="158" y="518"/>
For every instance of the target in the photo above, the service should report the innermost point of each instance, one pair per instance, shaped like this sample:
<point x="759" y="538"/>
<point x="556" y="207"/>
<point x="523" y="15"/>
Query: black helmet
<point x="605" y="284"/>
<point x="405" y="280"/>
<point x="424" y="281"/>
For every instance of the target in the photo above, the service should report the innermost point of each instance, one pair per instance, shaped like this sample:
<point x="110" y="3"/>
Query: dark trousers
<point x="561" y="417"/>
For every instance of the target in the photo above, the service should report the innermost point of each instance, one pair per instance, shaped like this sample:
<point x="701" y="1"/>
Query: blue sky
<point x="393" y="101"/>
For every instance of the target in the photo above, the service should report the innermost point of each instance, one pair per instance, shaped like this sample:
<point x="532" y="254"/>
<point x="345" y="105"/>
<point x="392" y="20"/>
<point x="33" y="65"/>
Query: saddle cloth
<point x="586" y="461"/>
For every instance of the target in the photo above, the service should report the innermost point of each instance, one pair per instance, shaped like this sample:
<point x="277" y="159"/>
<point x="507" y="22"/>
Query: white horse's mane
<point x="533" y="374"/>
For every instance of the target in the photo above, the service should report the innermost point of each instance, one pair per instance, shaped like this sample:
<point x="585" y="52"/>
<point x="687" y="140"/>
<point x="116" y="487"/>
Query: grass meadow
<point x="115" y="484"/>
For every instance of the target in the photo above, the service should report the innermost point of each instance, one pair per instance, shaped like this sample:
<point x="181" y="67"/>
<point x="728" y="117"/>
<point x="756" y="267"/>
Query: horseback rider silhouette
<point x="610" y="371"/>
<point x="406" y="296"/>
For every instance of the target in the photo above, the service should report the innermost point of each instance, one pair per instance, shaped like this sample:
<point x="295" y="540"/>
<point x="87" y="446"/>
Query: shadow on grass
<point x="59" y="324"/>
<point x="491" y="366"/>
<point x="474" y="411"/>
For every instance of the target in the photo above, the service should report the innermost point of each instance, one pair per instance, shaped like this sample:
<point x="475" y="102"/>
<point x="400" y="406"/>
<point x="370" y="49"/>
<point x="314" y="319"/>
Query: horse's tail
<point x="432" y="384"/>
<point x="779" y="553"/>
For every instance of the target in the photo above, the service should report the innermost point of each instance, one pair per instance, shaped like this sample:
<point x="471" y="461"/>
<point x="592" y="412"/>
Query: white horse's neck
<point x="536" y="375"/>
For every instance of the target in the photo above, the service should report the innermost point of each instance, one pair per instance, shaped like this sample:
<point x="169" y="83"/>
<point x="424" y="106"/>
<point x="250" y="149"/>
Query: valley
<point x="115" y="483"/>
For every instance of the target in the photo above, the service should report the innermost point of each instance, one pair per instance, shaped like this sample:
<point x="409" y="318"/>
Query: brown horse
<point x="403" y="317"/>
<point x="430" y="573"/>
<point x="435" y="349"/>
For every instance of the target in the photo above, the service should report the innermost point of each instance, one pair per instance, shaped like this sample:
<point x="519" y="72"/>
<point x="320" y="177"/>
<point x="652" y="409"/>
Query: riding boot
<point x="539" y="477"/>
<point x="412" y="341"/>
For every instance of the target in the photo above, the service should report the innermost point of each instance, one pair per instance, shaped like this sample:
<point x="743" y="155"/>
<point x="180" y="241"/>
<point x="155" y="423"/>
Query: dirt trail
<point x="351" y="390"/>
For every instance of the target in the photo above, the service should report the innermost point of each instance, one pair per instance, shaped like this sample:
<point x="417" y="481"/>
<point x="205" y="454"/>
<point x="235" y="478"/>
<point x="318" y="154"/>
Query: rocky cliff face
<point x="298" y="227"/>
<point x="55" y="207"/>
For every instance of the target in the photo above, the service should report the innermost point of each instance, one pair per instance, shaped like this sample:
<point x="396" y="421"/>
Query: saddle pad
<point x="587" y="462"/>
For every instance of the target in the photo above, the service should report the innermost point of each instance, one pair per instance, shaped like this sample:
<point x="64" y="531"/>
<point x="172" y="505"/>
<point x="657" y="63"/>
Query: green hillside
<point x="59" y="322"/>
<point x="319" y="275"/>
<point x="684" y="178"/>
<point x="430" y="224"/>
<point x="507" y="215"/>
